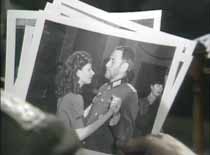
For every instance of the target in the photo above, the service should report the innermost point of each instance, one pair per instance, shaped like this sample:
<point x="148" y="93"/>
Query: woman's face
<point x="85" y="74"/>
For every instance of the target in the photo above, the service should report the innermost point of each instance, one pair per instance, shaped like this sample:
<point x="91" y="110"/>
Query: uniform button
<point x="102" y="100"/>
<point x="96" y="114"/>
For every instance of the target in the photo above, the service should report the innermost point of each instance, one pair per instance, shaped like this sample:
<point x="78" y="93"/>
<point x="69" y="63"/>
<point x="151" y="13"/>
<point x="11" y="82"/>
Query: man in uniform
<point x="148" y="107"/>
<point x="119" y="70"/>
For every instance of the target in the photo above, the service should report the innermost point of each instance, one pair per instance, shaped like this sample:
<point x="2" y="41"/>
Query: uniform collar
<point x="117" y="82"/>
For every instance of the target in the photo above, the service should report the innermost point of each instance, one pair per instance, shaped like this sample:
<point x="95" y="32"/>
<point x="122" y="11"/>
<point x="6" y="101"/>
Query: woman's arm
<point x="87" y="110"/>
<point x="88" y="130"/>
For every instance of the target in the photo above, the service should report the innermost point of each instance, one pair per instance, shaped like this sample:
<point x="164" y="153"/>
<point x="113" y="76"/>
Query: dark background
<point x="186" y="18"/>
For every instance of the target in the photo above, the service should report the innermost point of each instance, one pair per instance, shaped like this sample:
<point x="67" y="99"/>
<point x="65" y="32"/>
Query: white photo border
<point x="12" y="16"/>
<point x="92" y="11"/>
<point x="140" y="15"/>
<point x="169" y="99"/>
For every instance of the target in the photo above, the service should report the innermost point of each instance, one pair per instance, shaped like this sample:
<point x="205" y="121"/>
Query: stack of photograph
<point x="109" y="76"/>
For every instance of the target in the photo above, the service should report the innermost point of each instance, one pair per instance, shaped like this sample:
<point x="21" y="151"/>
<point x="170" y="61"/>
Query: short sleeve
<point x="65" y="117"/>
<point x="70" y="111"/>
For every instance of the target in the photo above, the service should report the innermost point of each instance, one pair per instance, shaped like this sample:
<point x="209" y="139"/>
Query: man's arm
<point x="123" y="131"/>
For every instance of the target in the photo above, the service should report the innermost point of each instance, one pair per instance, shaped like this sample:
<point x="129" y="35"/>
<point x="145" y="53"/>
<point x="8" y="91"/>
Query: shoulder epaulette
<point x="132" y="87"/>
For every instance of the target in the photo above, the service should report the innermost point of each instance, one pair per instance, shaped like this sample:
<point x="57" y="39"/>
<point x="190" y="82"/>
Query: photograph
<point x="163" y="109"/>
<point x="103" y="16"/>
<point x="179" y="64"/>
<point x="16" y="22"/>
<point x="25" y="52"/>
<point x="91" y="77"/>
<point x="182" y="43"/>
<point x="89" y="65"/>
<point x="151" y="19"/>
<point x="51" y="8"/>
<point x="75" y="14"/>
<point x="67" y="7"/>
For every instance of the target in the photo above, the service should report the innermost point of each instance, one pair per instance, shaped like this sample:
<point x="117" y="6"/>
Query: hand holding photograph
<point x="111" y="77"/>
<point x="106" y="49"/>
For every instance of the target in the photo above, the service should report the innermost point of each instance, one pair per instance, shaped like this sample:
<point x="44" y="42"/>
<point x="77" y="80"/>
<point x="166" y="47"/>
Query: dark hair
<point x="128" y="55"/>
<point x="66" y="79"/>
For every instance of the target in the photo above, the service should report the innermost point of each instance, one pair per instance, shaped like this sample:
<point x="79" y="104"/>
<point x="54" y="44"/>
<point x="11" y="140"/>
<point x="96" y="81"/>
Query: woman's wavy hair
<point x="66" y="79"/>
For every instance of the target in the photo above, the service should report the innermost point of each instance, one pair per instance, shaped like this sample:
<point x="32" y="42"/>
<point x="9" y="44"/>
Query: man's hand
<point x="115" y="104"/>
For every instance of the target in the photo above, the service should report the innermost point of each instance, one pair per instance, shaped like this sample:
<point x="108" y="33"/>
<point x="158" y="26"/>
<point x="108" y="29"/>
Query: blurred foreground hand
<point x="47" y="135"/>
<point x="161" y="144"/>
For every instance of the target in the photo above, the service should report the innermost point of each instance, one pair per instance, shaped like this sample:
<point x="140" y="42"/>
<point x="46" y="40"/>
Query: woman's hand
<point x="115" y="119"/>
<point x="115" y="104"/>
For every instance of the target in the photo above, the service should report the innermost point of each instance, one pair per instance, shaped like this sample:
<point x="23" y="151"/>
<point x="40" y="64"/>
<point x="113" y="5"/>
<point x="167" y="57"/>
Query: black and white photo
<point x="56" y="39"/>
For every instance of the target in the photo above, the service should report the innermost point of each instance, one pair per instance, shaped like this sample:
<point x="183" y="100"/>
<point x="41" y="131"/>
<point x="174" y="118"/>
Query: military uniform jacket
<point x="128" y="111"/>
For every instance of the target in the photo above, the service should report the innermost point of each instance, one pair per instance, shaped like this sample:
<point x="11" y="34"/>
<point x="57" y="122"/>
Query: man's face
<point x="113" y="65"/>
<point x="157" y="89"/>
